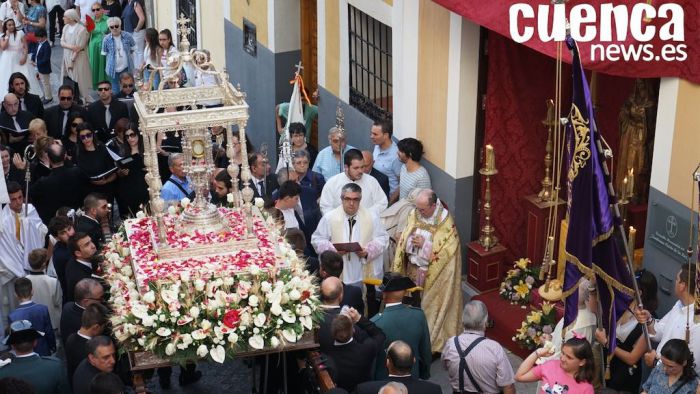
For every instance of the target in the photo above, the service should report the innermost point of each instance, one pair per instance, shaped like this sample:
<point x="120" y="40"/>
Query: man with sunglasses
<point x="106" y="111"/>
<point x="56" y="117"/>
<point x="87" y="292"/>
<point x="126" y="84"/>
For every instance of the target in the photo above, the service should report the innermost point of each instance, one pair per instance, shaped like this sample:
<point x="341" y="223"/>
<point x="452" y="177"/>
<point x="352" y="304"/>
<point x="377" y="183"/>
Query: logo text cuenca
<point x="587" y="23"/>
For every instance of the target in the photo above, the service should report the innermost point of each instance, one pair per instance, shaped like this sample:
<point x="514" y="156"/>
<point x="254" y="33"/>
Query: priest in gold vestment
<point x="429" y="253"/>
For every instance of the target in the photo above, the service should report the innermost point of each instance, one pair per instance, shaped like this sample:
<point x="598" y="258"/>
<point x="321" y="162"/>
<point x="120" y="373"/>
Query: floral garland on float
<point x="537" y="327"/>
<point x="212" y="304"/>
<point x="518" y="283"/>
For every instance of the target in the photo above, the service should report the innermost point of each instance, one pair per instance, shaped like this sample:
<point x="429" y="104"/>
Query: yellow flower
<point x="534" y="317"/>
<point x="547" y="308"/>
<point x="522" y="263"/>
<point x="522" y="289"/>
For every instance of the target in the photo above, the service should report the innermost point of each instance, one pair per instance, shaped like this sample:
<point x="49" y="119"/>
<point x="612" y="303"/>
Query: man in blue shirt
<point x="329" y="161"/>
<point x="178" y="185"/>
<point x="386" y="158"/>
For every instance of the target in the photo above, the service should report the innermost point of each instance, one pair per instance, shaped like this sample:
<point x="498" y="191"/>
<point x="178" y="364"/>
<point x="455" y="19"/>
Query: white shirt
<point x="290" y="221"/>
<point x="373" y="197"/>
<point x="122" y="63"/>
<point x="672" y="326"/>
<point x="6" y="12"/>
<point x="353" y="264"/>
<point x="85" y="8"/>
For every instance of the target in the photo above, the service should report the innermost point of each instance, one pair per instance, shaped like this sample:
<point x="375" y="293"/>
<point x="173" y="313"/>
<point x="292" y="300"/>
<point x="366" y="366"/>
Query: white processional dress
<point x="367" y="230"/>
<point x="10" y="57"/>
<point x="13" y="253"/>
<point x="373" y="197"/>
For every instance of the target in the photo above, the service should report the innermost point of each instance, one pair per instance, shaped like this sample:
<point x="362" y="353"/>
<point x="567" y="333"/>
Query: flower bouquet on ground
<point x="519" y="281"/>
<point x="538" y="323"/>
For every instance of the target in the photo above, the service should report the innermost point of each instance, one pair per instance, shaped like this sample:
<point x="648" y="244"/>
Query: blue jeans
<point x="147" y="77"/>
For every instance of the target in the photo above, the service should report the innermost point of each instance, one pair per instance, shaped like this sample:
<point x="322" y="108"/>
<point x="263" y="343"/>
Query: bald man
<point x="14" y="123"/>
<point x="378" y="175"/>
<point x="399" y="362"/>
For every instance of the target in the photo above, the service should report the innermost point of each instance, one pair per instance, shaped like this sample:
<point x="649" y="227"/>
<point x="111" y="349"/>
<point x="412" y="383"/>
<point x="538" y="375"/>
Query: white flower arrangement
<point x="197" y="315"/>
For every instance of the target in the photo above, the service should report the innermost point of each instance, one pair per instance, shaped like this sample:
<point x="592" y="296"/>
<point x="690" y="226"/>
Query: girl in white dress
<point x="14" y="54"/>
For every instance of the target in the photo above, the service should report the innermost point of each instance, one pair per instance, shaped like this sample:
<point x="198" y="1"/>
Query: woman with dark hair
<point x="14" y="52"/>
<point x="571" y="374"/>
<point x="132" y="190"/>
<point x="165" y="40"/>
<point x="95" y="161"/>
<point x="151" y="59"/>
<point x="675" y="373"/>
<point x="625" y="366"/>
<point x="70" y="141"/>
<point x="413" y="174"/>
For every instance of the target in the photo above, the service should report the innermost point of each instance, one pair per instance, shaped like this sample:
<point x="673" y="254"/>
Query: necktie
<point x="17" y="126"/>
<point x="65" y="120"/>
<point x="18" y="227"/>
<point x="300" y="212"/>
<point x="262" y="188"/>
<point x="351" y="222"/>
<point x="108" y="116"/>
<point x="22" y="105"/>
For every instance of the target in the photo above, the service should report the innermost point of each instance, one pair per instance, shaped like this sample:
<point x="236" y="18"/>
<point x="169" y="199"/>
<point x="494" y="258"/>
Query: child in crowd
<point x="47" y="290"/>
<point x="37" y="314"/>
<point x="570" y="374"/>
<point x="41" y="58"/>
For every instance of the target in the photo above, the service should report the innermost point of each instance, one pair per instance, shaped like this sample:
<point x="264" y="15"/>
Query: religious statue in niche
<point x="637" y="121"/>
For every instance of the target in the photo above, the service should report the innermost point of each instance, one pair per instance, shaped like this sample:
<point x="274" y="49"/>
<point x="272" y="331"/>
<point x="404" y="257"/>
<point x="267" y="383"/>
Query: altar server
<point x="352" y="223"/>
<point x="374" y="198"/>
<point x="21" y="231"/>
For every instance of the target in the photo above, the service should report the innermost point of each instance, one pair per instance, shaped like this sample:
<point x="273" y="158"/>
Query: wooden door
<point x="309" y="54"/>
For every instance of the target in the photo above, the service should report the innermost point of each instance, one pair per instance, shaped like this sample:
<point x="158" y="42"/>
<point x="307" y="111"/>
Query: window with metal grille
<point x="370" y="65"/>
<point x="188" y="9"/>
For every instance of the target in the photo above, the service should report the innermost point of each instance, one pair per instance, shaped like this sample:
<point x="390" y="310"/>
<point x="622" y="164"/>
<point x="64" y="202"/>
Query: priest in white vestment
<point x="19" y="235"/>
<point x="373" y="197"/>
<point x="348" y="223"/>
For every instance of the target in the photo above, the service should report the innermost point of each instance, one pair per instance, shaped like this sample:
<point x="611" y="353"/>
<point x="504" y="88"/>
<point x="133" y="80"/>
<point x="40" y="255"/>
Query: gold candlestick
<point x="488" y="238"/>
<point x="546" y="194"/>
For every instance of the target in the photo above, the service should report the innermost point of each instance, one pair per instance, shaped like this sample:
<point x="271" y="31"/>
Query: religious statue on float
<point x="637" y="121"/>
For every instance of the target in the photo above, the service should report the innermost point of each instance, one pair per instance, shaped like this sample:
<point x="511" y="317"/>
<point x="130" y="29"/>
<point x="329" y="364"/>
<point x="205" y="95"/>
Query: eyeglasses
<point x="66" y="98"/>
<point x="74" y="124"/>
<point x="96" y="9"/>
<point x="84" y="137"/>
<point x="128" y="86"/>
<point x="114" y="27"/>
<point x="129" y="135"/>
<point x="103" y="89"/>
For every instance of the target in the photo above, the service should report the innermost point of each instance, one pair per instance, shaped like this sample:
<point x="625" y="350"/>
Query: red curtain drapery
<point x="519" y="81"/>
<point x="494" y="15"/>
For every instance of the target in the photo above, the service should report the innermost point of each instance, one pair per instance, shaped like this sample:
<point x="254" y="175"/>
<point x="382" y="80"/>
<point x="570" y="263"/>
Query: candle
<point x="630" y="184"/>
<point x="632" y="236"/>
<point x="623" y="192"/>
<point x="490" y="158"/>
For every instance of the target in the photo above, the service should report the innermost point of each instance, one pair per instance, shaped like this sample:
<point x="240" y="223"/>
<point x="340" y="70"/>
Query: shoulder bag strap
<point x="463" y="366"/>
<point x="182" y="189"/>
